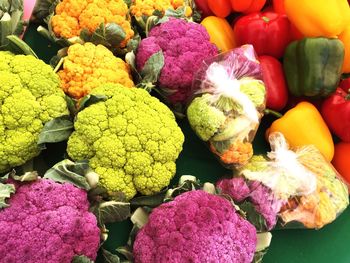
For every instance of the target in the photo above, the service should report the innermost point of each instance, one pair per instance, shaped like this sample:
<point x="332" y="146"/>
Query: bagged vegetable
<point x="228" y="103"/>
<point x="314" y="193"/>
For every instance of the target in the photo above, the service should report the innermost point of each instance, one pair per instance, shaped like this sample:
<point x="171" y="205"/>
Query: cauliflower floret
<point x="195" y="227"/>
<point x="29" y="97"/>
<point x="87" y="66"/>
<point x="198" y="114"/>
<point x="53" y="219"/>
<point x="131" y="139"/>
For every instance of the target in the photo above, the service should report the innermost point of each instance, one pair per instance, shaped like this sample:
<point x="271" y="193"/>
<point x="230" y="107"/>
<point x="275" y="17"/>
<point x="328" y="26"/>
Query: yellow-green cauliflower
<point x="131" y="140"/>
<point x="30" y="96"/>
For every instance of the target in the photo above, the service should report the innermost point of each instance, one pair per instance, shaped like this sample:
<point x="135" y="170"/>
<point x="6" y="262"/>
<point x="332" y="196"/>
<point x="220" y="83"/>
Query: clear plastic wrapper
<point x="228" y="101"/>
<point x="313" y="191"/>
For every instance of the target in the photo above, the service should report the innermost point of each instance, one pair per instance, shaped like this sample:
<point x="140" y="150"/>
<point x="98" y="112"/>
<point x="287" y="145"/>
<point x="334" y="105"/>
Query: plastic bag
<point x="227" y="104"/>
<point x="313" y="190"/>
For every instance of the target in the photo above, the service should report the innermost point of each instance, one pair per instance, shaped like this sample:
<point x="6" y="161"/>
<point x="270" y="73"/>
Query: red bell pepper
<point x="275" y="82"/>
<point x="247" y="6"/>
<point x="268" y="32"/>
<point x="278" y="6"/>
<point x="341" y="160"/>
<point x="220" y="8"/>
<point x="336" y="112"/>
<point x="202" y="5"/>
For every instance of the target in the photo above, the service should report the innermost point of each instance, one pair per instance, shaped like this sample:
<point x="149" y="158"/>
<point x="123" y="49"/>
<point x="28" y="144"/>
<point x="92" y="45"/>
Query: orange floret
<point x="88" y="66"/>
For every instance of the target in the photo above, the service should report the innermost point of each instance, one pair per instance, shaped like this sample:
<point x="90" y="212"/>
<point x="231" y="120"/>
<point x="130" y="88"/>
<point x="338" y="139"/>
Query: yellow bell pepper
<point x="220" y="32"/>
<point x="345" y="38"/>
<point x="318" y="18"/>
<point x="304" y="125"/>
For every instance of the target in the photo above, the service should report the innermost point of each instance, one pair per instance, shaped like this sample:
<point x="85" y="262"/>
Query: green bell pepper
<point x="313" y="66"/>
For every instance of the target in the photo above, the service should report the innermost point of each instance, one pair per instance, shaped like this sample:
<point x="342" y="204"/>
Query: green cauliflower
<point x="30" y="96"/>
<point x="200" y="112"/>
<point x="131" y="141"/>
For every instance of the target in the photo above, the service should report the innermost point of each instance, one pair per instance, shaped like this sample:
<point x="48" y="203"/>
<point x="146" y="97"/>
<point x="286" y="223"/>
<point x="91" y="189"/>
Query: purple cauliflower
<point x="259" y="195"/>
<point x="184" y="45"/>
<point x="47" y="222"/>
<point x="195" y="227"/>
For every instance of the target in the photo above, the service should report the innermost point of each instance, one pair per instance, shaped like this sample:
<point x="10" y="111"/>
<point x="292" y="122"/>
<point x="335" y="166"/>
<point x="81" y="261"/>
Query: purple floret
<point x="185" y="45"/>
<point x="258" y="194"/>
<point x="47" y="222"/>
<point x="195" y="227"/>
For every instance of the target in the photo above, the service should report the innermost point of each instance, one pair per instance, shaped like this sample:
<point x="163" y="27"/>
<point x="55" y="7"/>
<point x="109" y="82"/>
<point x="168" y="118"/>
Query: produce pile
<point x="131" y="86"/>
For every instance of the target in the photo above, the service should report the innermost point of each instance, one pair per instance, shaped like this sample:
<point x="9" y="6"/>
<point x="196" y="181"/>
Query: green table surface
<point x="330" y="244"/>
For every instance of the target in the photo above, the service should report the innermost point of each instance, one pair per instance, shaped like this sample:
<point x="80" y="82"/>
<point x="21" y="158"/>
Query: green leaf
<point x="67" y="171"/>
<point x="253" y="216"/>
<point x="82" y="259"/>
<point x="26" y="177"/>
<point x="110" y="35"/>
<point x="126" y="251"/>
<point x="111" y="211"/>
<point x="88" y="100"/>
<point x="115" y="34"/>
<point x="71" y="104"/>
<point x="18" y="46"/>
<point x="109" y="257"/>
<point x="42" y="9"/>
<point x="5" y="192"/>
<point x="258" y="257"/>
<point x="56" y="130"/>
<point x="151" y="70"/>
<point x="150" y="201"/>
<point x="185" y="187"/>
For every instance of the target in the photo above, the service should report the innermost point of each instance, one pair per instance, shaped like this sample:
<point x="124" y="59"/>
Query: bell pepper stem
<point x="272" y="112"/>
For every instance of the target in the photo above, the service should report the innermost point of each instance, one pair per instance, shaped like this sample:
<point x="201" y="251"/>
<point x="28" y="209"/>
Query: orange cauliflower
<point x="87" y="66"/>
<point x="147" y="7"/>
<point x="73" y="16"/>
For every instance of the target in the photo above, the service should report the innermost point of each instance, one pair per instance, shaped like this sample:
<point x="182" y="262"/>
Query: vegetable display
<point x="87" y="66"/>
<point x="252" y="95"/>
<point x="30" y="97"/>
<point x="228" y="104"/>
<point x="54" y="221"/>
<point x="130" y="139"/>
<point x="181" y="46"/>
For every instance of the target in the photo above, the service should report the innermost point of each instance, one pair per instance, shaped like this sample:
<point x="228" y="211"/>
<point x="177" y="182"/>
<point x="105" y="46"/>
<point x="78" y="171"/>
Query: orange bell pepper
<point x="318" y="18"/>
<point x="345" y="38"/>
<point x="220" y="32"/>
<point x="304" y="125"/>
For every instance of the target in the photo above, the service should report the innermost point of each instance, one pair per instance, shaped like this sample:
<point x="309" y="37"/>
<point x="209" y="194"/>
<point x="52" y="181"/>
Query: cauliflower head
<point x="184" y="45"/>
<point x="87" y="65"/>
<point x="131" y="140"/>
<point x="53" y="219"/>
<point x="195" y="227"/>
<point x="72" y="16"/>
<point x="29" y="97"/>
<point x="141" y="8"/>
